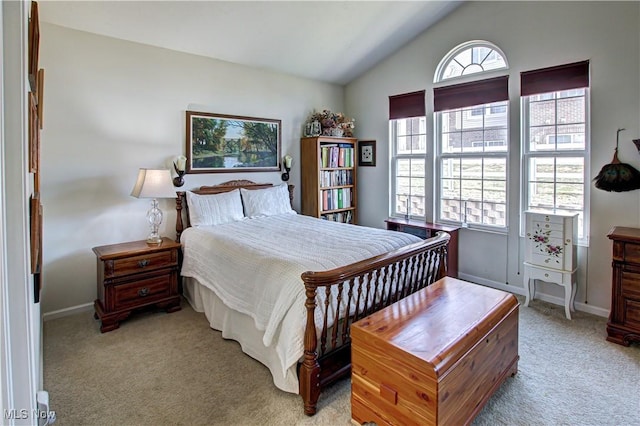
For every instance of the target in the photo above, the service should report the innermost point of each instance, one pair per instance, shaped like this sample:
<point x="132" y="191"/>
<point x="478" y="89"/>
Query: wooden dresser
<point x="623" y="326"/>
<point x="434" y="357"/>
<point x="134" y="275"/>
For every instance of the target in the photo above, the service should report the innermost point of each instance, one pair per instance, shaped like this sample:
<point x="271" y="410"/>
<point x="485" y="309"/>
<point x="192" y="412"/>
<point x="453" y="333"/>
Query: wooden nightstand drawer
<point x="134" y="275"/>
<point x="143" y="263"/>
<point x="141" y="292"/>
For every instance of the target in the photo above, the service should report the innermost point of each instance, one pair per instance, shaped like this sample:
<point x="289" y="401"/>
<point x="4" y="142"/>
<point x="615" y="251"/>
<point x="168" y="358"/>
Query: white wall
<point x="532" y="35"/>
<point x="112" y="107"/>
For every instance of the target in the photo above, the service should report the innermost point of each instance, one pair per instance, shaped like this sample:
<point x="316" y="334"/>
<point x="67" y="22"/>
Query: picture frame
<point x="40" y="96"/>
<point x="35" y="219"/>
<point x="220" y="143"/>
<point x="367" y="153"/>
<point x="34" y="46"/>
<point x="34" y="135"/>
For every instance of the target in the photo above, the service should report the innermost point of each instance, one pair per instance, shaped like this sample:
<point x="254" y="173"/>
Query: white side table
<point x="550" y="254"/>
<point x="566" y="279"/>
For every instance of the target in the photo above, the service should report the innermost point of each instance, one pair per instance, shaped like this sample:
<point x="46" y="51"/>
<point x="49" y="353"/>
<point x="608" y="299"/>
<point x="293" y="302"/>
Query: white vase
<point x="337" y="131"/>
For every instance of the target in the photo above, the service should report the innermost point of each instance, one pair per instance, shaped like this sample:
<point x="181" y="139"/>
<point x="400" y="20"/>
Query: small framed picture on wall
<point x="366" y="153"/>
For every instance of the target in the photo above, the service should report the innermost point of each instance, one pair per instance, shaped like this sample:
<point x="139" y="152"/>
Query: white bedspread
<point x="254" y="267"/>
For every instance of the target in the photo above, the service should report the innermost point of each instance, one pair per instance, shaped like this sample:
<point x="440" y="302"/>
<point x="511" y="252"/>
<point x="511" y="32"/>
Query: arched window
<point x="472" y="57"/>
<point x="471" y="121"/>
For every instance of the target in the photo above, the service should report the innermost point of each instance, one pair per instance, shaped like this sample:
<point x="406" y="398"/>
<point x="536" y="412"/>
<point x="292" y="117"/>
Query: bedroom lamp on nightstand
<point x="154" y="184"/>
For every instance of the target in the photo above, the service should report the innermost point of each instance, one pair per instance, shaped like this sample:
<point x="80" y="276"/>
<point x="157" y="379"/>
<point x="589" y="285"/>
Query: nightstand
<point x="134" y="275"/>
<point x="426" y="230"/>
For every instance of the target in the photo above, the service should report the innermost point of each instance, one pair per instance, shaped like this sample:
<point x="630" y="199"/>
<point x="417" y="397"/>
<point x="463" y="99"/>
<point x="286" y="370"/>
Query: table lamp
<point x="154" y="184"/>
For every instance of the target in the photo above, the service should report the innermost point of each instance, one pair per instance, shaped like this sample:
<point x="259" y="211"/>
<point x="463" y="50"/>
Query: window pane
<point x="541" y="195"/>
<point x="401" y="204"/>
<point x="495" y="140"/>
<point x="542" y="113"/>
<point x="472" y="141"/>
<point x="571" y="110"/>
<point x="570" y="137"/>
<point x="495" y="214"/>
<point x="542" y="138"/>
<point x="450" y="168"/>
<point x="403" y="167"/>
<point x="450" y="188"/>
<point x="417" y="168"/>
<point x="403" y="185"/>
<point x="570" y="196"/>
<point x="451" y="142"/>
<point x="495" y="191"/>
<point x="472" y="190"/>
<point x="542" y="169"/>
<point x="471" y="168"/>
<point x="450" y="210"/>
<point x="570" y="170"/>
<point x="451" y="120"/>
<point x="416" y="206"/>
<point x="471" y="121"/>
<point x="495" y="168"/>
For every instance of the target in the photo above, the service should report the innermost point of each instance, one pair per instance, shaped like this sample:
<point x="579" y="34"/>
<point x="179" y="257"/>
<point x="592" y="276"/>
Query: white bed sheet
<point x="254" y="266"/>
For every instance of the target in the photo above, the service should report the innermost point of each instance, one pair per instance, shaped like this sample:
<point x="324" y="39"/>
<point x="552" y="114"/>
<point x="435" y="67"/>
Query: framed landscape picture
<point x="218" y="143"/>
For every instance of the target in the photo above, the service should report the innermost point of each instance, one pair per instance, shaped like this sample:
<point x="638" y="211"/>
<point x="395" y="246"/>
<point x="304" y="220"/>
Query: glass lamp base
<point x="154" y="239"/>
<point x="154" y="217"/>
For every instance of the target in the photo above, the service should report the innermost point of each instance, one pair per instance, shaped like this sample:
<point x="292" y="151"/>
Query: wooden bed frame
<point x="365" y="286"/>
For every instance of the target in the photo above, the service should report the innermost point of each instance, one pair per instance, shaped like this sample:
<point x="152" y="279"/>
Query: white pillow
<point x="266" y="202"/>
<point x="214" y="209"/>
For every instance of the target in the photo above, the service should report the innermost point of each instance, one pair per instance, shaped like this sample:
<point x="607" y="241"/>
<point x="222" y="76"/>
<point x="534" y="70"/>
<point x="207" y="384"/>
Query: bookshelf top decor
<point x="330" y="124"/>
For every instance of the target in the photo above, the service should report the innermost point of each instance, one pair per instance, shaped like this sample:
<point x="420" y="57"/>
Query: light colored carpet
<point x="172" y="369"/>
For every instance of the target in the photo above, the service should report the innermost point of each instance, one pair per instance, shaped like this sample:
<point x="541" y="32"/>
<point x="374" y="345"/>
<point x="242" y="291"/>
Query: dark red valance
<point x="553" y="79"/>
<point x="472" y="93"/>
<point x="407" y="105"/>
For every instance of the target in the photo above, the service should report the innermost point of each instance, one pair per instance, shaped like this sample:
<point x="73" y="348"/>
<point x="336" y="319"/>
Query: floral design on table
<point x="541" y="238"/>
<point x="331" y="123"/>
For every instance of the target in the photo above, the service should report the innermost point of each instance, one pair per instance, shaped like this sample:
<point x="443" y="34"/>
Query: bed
<point x="287" y="287"/>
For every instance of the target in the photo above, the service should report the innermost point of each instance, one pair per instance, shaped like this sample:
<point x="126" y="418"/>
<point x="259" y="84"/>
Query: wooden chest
<point x="435" y="357"/>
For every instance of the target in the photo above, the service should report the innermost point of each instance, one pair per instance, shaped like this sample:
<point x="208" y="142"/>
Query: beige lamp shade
<point x="154" y="183"/>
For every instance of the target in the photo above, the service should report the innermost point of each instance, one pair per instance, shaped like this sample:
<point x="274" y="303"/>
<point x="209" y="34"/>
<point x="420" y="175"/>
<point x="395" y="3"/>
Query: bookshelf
<point x="328" y="169"/>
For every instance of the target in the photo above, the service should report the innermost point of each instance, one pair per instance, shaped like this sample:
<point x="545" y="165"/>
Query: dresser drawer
<point x="544" y="275"/>
<point x="141" y="292"/>
<point x="142" y="263"/>
<point x="632" y="313"/>
<point x="632" y="253"/>
<point x="630" y="283"/>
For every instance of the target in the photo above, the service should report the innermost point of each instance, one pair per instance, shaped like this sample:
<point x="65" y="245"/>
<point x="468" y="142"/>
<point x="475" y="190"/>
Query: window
<point x="409" y="149"/>
<point x="472" y="139"/>
<point x="470" y="58"/>
<point x="473" y="157"/>
<point x="555" y="141"/>
<point x="408" y="136"/>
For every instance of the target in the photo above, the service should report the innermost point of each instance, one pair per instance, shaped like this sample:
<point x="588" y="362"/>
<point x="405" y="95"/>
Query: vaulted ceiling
<point x="333" y="41"/>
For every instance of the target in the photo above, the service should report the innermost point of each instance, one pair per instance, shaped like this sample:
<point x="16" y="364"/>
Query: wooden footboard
<point x="352" y="292"/>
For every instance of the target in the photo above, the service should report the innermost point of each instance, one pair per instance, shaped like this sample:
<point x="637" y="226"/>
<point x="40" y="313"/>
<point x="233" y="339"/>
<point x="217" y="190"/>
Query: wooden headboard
<point x="215" y="189"/>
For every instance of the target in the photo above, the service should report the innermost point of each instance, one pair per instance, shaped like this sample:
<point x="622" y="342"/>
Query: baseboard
<point x="67" y="311"/>
<point x="583" y="307"/>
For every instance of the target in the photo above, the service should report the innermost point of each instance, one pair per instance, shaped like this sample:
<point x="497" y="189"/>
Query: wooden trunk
<point x="434" y="357"/>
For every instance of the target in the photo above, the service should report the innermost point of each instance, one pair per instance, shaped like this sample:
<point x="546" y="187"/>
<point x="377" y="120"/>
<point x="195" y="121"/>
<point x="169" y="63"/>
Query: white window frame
<point x="395" y="156"/>
<point x="569" y="153"/>
<point x="439" y="76"/>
